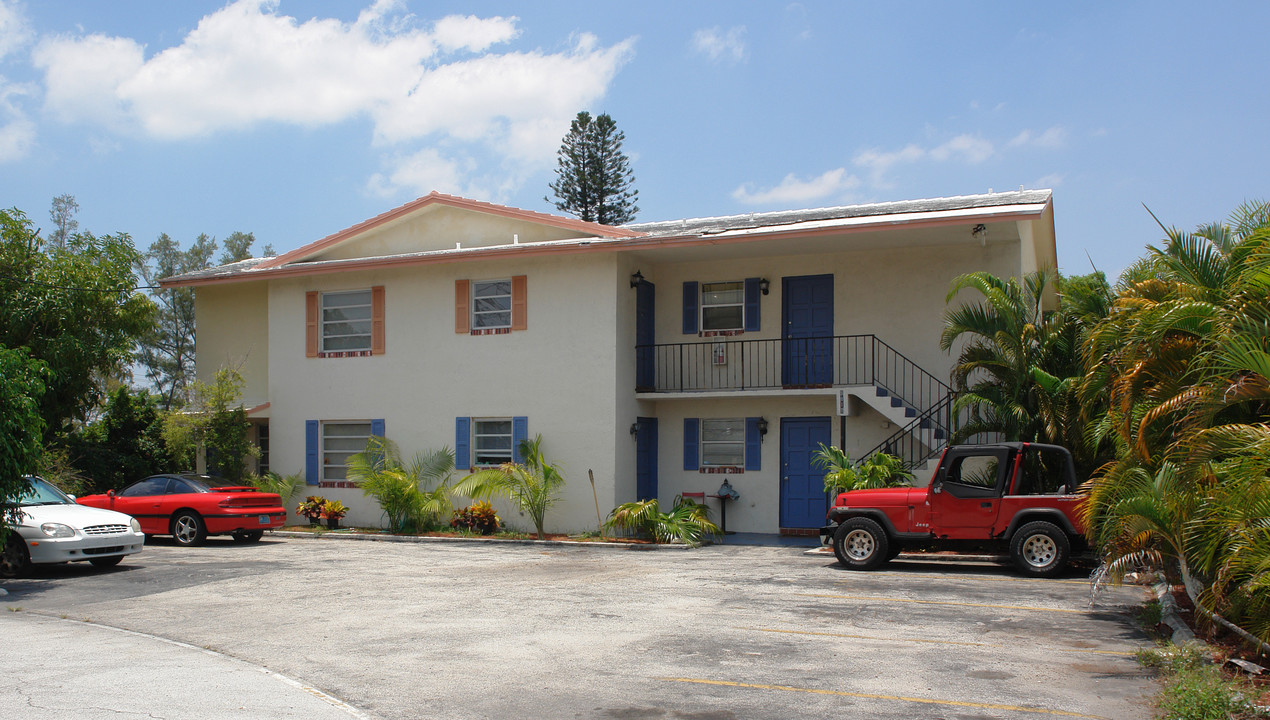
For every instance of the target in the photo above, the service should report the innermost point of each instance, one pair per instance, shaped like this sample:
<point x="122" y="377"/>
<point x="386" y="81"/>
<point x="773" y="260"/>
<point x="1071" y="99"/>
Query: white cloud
<point x="1052" y="180"/>
<point x="17" y="132"/>
<point x="971" y="148"/>
<point x="791" y="190"/>
<point x="246" y="64"/>
<point x="719" y="44"/>
<point x="14" y="30"/>
<point x="424" y="169"/>
<point x="1052" y="138"/>
<point x="878" y="162"/>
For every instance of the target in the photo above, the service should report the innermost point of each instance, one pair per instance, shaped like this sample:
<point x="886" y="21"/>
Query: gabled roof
<point x="435" y="198"/>
<point x="591" y="237"/>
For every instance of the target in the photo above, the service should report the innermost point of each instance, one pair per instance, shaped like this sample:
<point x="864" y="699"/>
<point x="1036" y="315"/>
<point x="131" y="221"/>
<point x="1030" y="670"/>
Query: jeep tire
<point x="1040" y="549"/>
<point x="861" y="544"/>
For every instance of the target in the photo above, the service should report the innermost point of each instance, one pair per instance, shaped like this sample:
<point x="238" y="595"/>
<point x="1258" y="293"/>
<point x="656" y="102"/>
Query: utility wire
<point x="25" y="281"/>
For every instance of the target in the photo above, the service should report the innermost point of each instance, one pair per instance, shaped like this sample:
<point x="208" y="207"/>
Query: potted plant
<point x="311" y="508"/>
<point x="333" y="510"/>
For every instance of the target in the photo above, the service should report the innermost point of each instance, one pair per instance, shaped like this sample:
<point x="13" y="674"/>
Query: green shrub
<point x="687" y="522"/>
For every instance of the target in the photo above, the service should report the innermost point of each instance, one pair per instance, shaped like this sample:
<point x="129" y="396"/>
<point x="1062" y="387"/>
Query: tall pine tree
<point x="594" y="179"/>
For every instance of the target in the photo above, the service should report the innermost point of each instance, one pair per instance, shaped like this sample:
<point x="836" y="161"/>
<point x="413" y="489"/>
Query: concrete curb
<point x="1182" y="634"/>
<point x="931" y="557"/>
<point x="374" y="537"/>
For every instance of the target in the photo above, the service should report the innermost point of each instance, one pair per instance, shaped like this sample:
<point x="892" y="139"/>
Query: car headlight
<point x="53" y="529"/>
<point x="136" y="526"/>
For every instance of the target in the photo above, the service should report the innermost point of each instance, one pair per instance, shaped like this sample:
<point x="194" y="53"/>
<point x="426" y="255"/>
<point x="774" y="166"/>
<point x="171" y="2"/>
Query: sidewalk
<point x="56" y="668"/>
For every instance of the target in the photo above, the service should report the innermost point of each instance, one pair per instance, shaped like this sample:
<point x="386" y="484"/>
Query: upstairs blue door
<point x="646" y="458"/>
<point x="807" y="335"/>
<point x="803" y="502"/>
<point x="645" y="336"/>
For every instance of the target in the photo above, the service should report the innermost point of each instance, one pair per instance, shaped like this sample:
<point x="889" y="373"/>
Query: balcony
<point x="790" y="363"/>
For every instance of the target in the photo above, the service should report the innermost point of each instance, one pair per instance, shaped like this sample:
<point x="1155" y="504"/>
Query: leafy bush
<point x="1194" y="688"/>
<point x="285" y="486"/>
<point x="311" y="508"/>
<point x="478" y="517"/>
<point x="533" y="484"/>
<point x="878" y="471"/>
<point x="687" y="522"/>
<point x="412" y="496"/>
<point x="334" y="510"/>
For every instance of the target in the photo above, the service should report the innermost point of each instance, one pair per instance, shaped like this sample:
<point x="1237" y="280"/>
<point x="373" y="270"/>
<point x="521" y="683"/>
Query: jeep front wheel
<point x="1040" y="549"/>
<point x="860" y="544"/>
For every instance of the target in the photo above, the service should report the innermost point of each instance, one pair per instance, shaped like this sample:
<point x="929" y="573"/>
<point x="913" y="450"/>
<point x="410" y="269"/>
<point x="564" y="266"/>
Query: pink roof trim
<point x="436" y="198"/>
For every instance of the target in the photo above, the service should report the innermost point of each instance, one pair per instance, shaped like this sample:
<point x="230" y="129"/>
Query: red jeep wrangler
<point x="1009" y="496"/>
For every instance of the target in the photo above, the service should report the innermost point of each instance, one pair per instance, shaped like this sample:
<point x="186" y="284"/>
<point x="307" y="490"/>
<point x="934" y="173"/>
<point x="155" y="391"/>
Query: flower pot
<point x="333" y="523"/>
<point x="315" y="521"/>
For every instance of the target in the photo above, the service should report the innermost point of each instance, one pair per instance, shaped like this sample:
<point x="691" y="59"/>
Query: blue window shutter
<point x="462" y="443"/>
<point x="377" y="428"/>
<point x="691" y="297"/>
<point x="692" y="443"/>
<point x="520" y="433"/>
<point x="312" y="455"/>
<point x="753" y="445"/>
<point x="751" y="304"/>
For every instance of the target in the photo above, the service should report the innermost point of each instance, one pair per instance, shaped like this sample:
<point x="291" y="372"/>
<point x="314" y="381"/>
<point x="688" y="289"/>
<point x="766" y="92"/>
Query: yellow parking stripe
<point x="924" y="640"/>
<point x="993" y="578"/>
<point x="900" y="698"/>
<point x="940" y="602"/>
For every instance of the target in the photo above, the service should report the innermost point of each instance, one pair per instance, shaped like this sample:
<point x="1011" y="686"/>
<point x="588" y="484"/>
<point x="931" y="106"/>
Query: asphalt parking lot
<point x="406" y="630"/>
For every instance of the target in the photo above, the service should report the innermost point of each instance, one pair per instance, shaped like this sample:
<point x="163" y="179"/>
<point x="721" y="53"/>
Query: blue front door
<point x="646" y="458"/>
<point x="807" y="335"/>
<point x="645" y="336"/>
<point x="803" y="500"/>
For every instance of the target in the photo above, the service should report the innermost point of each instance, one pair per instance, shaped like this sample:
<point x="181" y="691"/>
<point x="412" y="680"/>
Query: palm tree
<point x="1184" y="358"/>
<point x="1019" y="371"/>
<point x="687" y="521"/>
<point x="415" y="494"/>
<point x="532" y="484"/>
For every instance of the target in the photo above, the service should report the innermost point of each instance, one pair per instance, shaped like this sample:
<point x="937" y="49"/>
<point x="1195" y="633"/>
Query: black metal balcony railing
<point x="786" y="363"/>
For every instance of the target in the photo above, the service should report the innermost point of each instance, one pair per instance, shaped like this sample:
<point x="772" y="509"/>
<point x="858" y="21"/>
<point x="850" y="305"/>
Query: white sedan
<point x="52" y="528"/>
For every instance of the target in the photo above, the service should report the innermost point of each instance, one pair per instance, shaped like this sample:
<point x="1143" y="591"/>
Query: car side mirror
<point x="72" y="497"/>
<point x="110" y="494"/>
<point x="937" y="489"/>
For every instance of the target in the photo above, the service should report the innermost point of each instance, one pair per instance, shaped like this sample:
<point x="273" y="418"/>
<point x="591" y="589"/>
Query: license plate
<point x="264" y="519"/>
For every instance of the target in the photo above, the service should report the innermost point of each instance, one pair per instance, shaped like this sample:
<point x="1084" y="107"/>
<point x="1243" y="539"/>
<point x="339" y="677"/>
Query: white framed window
<point x="346" y="321"/>
<point x="723" y="306"/>
<point x="723" y="442"/>
<point x="491" y="441"/>
<point x="491" y="304"/>
<point x="340" y="441"/>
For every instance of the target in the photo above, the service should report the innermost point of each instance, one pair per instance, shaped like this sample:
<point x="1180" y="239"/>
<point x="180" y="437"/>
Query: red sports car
<point x="190" y="507"/>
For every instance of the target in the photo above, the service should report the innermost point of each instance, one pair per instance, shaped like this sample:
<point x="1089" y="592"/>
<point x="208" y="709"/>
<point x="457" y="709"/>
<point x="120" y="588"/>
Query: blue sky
<point x="294" y="120"/>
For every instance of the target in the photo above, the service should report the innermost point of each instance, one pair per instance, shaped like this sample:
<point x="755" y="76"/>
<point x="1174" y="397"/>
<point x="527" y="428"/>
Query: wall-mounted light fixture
<point x="980" y="233"/>
<point x="634" y="429"/>
<point x="765" y="285"/>
<point x="762" y="428"/>
<point x="636" y="279"/>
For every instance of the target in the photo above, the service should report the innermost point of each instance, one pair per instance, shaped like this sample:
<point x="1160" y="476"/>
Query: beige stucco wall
<point x="559" y="373"/>
<point x="896" y="294"/>
<point x="439" y="227"/>
<point x="232" y="330"/>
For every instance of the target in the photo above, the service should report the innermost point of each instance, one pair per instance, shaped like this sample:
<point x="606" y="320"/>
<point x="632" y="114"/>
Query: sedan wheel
<point x="188" y="529"/>
<point x="14" y="559"/>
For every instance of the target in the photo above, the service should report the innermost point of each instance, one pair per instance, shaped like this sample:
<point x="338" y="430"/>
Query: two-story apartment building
<point x="664" y="357"/>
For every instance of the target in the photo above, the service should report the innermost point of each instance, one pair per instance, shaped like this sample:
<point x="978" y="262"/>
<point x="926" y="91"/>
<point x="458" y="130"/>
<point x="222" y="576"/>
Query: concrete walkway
<point x="57" y="669"/>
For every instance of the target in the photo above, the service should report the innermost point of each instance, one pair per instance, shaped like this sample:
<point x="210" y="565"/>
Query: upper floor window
<point x="723" y="306"/>
<point x="491" y="307"/>
<point x="346" y="321"/>
<point x="491" y="304"/>
<point x="344" y="324"/>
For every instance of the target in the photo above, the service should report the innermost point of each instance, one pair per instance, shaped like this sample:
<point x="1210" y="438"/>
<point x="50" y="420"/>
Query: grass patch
<point x="1196" y="689"/>
<point x="1150" y="614"/>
